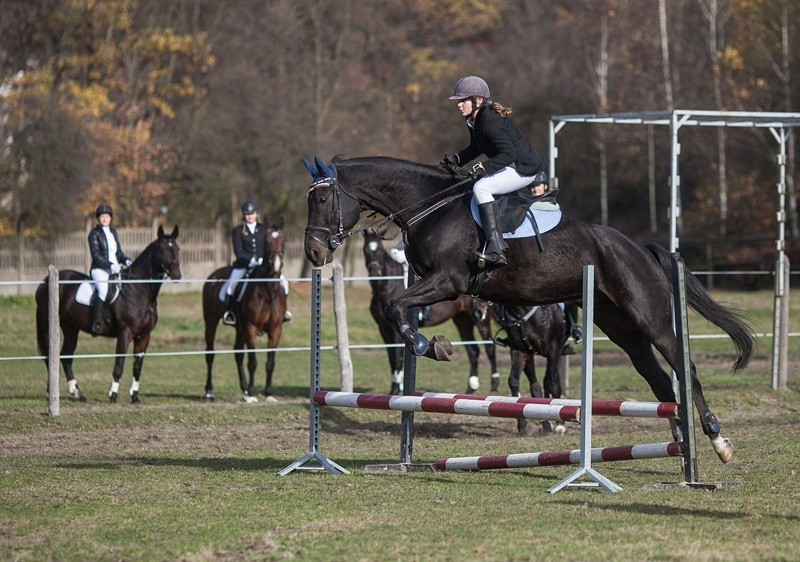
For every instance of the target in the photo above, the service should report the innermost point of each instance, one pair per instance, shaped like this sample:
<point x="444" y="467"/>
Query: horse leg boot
<point x="490" y="218"/>
<point x="97" y="314"/>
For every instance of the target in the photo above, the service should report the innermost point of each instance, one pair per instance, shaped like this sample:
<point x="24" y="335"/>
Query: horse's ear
<point x="160" y="232"/>
<point x="310" y="167"/>
<point x="174" y="232"/>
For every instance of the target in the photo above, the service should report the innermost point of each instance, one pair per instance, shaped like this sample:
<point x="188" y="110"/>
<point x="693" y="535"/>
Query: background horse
<point x="633" y="303"/>
<point x="260" y="310"/>
<point x="466" y="312"/>
<point x="132" y="316"/>
<point x="538" y="330"/>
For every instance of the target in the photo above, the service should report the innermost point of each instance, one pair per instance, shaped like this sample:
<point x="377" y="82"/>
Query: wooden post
<point x="53" y="390"/>
<point x="342" y="338"/>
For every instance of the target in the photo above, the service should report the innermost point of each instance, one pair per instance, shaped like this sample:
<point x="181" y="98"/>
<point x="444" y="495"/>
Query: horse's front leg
<point x="238" y="347"/>
<point x="140" y="344"/>
<point x="427" y="291"/>
<point x="252" y="360"/>
<point x="123" y="340"/>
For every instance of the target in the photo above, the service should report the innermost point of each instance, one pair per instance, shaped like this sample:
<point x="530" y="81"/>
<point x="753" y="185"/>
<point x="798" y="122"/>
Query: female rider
<point x="107" y="259"/>
<point x="512" y="159"/>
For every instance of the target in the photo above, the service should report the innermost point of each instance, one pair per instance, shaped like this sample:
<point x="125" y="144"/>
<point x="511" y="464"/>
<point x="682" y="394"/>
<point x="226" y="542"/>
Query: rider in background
<point x="512" y="159"/>
<point x="107" y="259"/>
<point x="248" y="248"/>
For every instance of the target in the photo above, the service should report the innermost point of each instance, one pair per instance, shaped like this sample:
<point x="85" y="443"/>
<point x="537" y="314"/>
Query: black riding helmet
<point x="249" y="207"/>
<point x="104" y="209"/>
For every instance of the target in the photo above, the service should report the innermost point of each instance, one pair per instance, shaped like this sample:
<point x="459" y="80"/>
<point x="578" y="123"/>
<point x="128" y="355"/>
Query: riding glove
<point x="115" y="268"/>
<point x="450" y="163"/>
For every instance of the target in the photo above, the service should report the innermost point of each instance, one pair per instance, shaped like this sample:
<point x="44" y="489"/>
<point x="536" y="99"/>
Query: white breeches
<point x="100" y="280"/>
<point x="502" y="181"/>
<point x="230" y="285"/>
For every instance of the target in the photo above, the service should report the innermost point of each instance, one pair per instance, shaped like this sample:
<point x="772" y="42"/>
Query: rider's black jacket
<point x="98" y="247"/>
<point x="246" y="245"/>
<point x="498" y="138"/>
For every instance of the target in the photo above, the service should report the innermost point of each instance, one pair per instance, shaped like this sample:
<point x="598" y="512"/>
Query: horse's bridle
<point x="508" y="322"/>
<point x="335" y="240"/>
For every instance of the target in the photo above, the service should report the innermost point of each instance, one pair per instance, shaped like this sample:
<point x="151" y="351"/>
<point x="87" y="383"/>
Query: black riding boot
<point x="227" y="313"/>
<point x="494" y="237"/>
<point x="97" y="315"/>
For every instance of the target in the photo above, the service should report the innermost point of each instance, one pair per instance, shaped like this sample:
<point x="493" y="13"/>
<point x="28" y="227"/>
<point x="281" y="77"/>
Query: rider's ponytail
<point x="493" y="105"/>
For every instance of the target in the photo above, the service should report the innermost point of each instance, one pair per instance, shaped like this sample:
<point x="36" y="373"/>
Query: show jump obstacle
<point x="519" y="407"/>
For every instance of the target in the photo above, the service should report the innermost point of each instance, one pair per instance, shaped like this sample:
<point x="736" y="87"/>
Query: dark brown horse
<point x="633" y="304"/>
<point x="261" y="309"/>
<point x="131" y="317"/>
<point x="467" y="313"/>
<point x="538" y="330"/>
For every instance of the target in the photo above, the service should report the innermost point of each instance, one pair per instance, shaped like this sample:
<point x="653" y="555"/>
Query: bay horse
<point x="260" y="310"/>
<point x="632" y="291"/>
<point x="131" y="317"/>
<point x="538" y="330"/>
<point x="467" y="313"/>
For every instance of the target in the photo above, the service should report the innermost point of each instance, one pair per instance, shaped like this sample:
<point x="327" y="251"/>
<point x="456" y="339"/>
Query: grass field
<point x="179" y="478"/>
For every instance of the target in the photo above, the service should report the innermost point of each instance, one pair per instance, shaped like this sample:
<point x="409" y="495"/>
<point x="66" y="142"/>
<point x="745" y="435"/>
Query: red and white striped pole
<point x="559" y="458"/>
<point x="624" y="408"/>
<point x="492" y="408"/>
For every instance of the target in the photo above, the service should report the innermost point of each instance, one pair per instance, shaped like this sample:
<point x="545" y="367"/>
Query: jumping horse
<point x="131" y="317"/>
<point x="261" y="309"/>
<point x="534" y="330"/>
<point x="632" y="291"/>
<point x="466" y="312"/>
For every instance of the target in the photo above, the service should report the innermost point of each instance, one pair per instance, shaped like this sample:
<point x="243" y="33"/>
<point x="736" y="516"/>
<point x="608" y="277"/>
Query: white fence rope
<point x="306" y="348"/>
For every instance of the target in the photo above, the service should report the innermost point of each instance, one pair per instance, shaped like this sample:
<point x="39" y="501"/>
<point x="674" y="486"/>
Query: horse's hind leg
<point x="485" y="330"/>
<point x="637" y="345"/>
<point x="68" y="349"/>
<point x="463" y="322"/>
<point x="239" y="347"/>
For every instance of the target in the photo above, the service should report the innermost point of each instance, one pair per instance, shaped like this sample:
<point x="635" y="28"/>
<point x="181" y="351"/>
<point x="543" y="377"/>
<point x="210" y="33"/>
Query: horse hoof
<point x="249" y="399"/>
<point x="440" y="349"/>
<point x="135" y="398"/>
<point x="561" y="429"/>
<point x="209" y="395"/>
<point x="524" y="429"/>
<point x="396" y="390"/>
<point x="723" y="447"/>
<point x="81" y="397"/>
<point x="474" y="383"/>
<point x="547" y="427"/>
<point x="270" y="400"/>
<point x="112" y="397"/>
<point x="495" y="382"/>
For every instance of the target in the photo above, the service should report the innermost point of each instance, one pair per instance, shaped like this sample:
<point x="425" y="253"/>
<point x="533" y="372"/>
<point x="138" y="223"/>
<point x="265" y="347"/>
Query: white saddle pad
<point x="547" y="216"/>
<point x="84" y="294"/>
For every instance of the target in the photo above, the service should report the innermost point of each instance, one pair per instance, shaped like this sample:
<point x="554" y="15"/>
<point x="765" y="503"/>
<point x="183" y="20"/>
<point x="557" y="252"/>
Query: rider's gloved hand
<point x="477" y="171"/>
<point x="450" y="163"/>
<point x="128" y="262"/>
<point x="253" y="262"/>
<point x="115" y="268"/>
<point x="260" y="261"/>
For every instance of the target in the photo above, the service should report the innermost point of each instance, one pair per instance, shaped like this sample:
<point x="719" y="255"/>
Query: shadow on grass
<point x="656" y="509"/>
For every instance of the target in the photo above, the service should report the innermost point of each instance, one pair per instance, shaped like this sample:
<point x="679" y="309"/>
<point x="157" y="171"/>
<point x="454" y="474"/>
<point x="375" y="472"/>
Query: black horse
<point x="262" y="308"/>
<point x="538" y="330"/>
<point x="632" y="291"/>
<point x="466" y="312"/>
<point x="132" y="316"/>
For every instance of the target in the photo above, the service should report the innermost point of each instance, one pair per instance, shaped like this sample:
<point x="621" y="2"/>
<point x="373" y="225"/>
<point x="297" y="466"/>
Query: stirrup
<point x="491" y="259"/>
<point x="287" y="317"/>
<point x="228" y="318"/>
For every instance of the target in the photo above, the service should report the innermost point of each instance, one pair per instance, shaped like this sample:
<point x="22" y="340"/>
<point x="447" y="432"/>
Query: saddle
<point x="513" y="207"/>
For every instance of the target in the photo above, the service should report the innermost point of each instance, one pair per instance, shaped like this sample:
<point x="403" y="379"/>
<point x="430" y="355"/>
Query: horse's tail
<point x="698" y="298"/>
